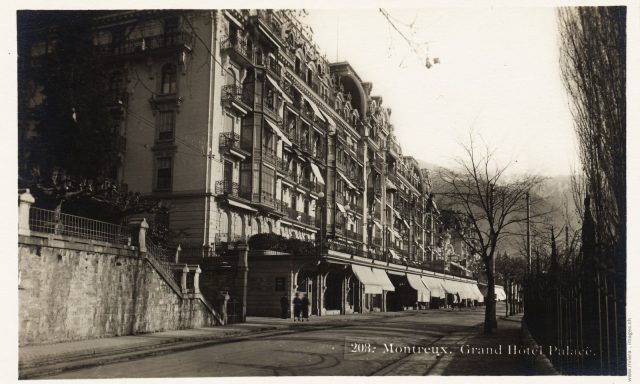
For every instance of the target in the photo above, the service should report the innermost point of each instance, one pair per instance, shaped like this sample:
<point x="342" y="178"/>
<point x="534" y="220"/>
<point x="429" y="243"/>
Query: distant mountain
<point x="556" y="195"/>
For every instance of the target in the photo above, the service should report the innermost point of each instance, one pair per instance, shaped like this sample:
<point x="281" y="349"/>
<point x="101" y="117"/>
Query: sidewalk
<point x="474" y="354"/>
<point x="37" y="360"/>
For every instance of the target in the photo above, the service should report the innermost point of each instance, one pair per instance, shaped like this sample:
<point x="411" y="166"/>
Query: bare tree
<point x="592" y="58"/>
<point x="491" y="204"/>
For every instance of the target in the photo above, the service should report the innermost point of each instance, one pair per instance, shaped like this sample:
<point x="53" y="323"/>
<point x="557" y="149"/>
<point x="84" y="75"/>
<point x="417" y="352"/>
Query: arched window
<point x="269" y="227"/>
<point x="168" y="79"/>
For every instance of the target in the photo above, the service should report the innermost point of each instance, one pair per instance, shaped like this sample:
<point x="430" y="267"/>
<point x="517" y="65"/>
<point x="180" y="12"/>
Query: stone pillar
<point x="183" y="278"/>
<point x="142" y="236"/>
<point x="25" y="200"/>
<point x="196" y="279"/>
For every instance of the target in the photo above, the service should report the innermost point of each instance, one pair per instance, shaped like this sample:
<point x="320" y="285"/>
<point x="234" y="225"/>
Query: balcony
<point x="281" y="206"/>
<point x="238" y="49"/>
<point x="226" y="187"/>
<point x="282" y="166"/>
<point x="272" y="24"/>
<point x="236" y="96"/>
<point x="273" y="67"/>
<point x="267" y="199"/>
<point x="166" y="42"/>
<point x="230" y="144"/>
<point x="229" y="238"/>
<point x="353" y="235"/>
<point x="310" y="185"/>
<point x="339" y="246"/>
<point x="269" y="154"/>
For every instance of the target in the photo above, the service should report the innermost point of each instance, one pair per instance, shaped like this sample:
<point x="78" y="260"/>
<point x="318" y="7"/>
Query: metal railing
<point x="236" y="93"/>
<point x="227" y="187"/>
<point x="268" y="154"/>
<point x="46" y="221"/>
<point x="229" y="140"/>
<point x="165" y="40"/>
<point x="163" y="256"/>
<point x="239" y="45"/>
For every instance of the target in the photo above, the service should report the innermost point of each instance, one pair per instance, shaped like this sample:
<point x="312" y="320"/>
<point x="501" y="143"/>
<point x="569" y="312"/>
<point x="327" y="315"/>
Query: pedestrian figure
<point x="458" y="302"/>
<point x="284" y="307"/>
<point x="305" y="307"/>
<point x="297" y="308"/>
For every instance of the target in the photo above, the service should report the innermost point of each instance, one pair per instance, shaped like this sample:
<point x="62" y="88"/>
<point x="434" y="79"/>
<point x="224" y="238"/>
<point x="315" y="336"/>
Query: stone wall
<point x="71" y="290"/>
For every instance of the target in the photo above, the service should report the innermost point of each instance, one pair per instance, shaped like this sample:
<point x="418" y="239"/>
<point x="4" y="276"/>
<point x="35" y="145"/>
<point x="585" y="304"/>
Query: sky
<point x="498" y="76"/>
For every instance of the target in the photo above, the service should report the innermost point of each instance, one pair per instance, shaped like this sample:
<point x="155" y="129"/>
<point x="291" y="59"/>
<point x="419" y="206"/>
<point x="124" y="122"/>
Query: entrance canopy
<point x="434" y="285"/>
<point x="416" y="283"/>
<point x="368" y="279"/>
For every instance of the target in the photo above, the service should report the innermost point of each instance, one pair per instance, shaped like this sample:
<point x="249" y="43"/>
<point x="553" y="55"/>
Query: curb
<point x="529" y="341"/>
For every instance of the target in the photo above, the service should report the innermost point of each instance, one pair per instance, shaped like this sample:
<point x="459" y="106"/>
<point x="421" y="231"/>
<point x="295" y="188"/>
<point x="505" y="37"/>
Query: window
<point x="168" y="79"/>
<point x="116" y="85"/>
<point x="268" y="183"/>
<point x="163" y="173"/>
<point x="228" y="123"/>
<point x="166" y="125"/>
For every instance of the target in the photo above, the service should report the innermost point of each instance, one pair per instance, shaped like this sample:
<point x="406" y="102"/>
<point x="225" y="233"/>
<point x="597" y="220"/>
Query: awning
<point x="463" y="290"/>
<point x="397" y="214"/>
<point x="434" y="285"/>
<point x="416" y="283"/>
<point x="383" y="279"/>
<point x="391" y="186"/>
<point x="405" y="223"/>
<point x="500" y="294"/>
<point x="278" y="132"/>
<point x="450" y="286"/>
<point x="277" y="87"/>
<point x="316" y="172"/>
<point x="478" y="294"/>
<point x="341" y="208"/>
<point x="347" y="181"/>
<point x="332" y="124"/>
<point x="241" y="205"/>
<point x="377" y="224"/>
<point x="396" y="234"/>
<point x="366" y="277"/>
<point x="316" y="110"/>
<point x="393" y="253"/>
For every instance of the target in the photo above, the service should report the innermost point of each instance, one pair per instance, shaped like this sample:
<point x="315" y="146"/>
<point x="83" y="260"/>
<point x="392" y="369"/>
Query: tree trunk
<point x="490" y="308"/>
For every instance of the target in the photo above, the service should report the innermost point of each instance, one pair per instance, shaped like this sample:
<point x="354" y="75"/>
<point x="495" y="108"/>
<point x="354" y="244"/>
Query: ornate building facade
<point x="238" y="123"/>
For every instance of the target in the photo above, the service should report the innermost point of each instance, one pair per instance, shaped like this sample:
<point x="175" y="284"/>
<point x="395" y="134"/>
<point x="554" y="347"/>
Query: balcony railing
<point x="268" y="154"/>
<point x="281" y="206"/>
<point x="229" y="238"/>
<point x="236" y="93"/>
<point x="225" y="187"/>
<point x="274" y="25"/>
<point x="165" y="40"/>
<point x="353" y="235"/>
<point x="239" y="45"/>
<point x="282" y="165"/>
<point x="273" y="67"/>
<point x="229" y="140"/>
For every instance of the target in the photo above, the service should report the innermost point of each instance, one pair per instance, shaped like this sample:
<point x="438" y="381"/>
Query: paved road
<point x="358" y="347"/>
